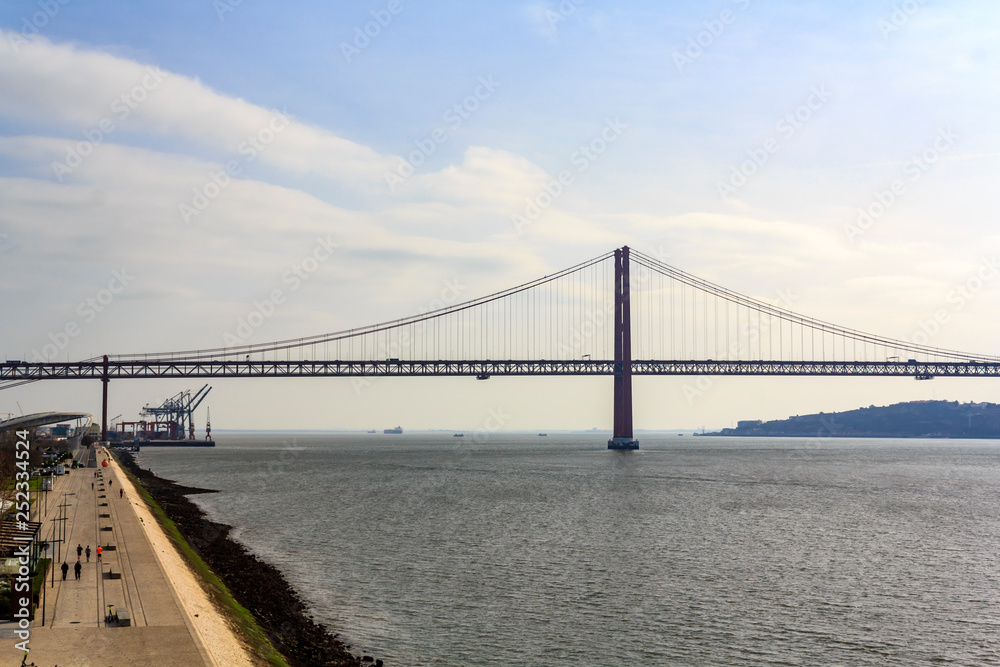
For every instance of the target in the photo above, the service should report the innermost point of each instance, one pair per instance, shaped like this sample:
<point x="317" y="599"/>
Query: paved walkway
<point x="74" y="633"/>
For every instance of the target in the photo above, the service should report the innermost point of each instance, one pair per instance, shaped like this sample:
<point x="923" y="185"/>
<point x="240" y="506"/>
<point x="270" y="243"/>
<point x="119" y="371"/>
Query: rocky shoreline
<point x="258" y="586"/>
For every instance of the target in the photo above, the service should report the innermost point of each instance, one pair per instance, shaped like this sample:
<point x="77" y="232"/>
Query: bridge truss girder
<point x="126" y="370"/>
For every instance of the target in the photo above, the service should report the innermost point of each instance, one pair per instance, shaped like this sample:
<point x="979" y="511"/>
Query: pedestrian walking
<point x="88" y="553"/>
<point x="79" y="551"/>
<point x="91" y="485"/>
<point x="77" y="568"/>
<point x="99" y="552"/>
<point x="65" y="569"/>
<point x="111" y="483"/>
<point x="121" y="493"/>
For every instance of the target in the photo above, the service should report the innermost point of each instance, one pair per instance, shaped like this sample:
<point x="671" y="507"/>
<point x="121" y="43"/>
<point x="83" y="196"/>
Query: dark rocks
<point x="255" y="584"/>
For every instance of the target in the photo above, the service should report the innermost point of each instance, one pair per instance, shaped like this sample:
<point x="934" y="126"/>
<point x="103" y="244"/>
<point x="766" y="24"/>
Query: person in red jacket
<point x="100" y="550"/>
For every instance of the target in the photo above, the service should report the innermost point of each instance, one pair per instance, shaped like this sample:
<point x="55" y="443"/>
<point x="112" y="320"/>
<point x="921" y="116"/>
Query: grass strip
<point x="242" y="617"/>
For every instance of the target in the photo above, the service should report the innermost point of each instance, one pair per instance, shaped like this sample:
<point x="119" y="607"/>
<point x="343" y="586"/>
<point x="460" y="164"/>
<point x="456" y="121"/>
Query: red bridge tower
<point x="622" y="436"/>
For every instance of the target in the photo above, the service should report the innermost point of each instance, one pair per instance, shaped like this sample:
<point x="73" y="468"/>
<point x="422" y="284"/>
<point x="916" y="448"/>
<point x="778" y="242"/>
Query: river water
<point x="425" y="549"/>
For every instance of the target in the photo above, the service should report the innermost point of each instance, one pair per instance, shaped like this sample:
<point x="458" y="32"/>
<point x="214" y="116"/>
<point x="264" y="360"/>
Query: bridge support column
<point x="622" y="434"/>
<point x="104" y="402"/>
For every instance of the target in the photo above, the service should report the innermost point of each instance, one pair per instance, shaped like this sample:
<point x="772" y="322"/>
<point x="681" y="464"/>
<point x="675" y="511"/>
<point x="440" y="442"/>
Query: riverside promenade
<point x="131" y="576"/>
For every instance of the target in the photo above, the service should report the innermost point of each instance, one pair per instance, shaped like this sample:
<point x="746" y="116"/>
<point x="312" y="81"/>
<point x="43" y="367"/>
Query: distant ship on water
<point x="394" y="431"/>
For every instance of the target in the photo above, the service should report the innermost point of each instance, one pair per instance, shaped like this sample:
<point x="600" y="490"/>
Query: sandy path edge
<point x="221" y="643"/>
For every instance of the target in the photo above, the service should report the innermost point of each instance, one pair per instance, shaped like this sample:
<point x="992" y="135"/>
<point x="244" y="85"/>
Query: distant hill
<point x="916" y="419"/>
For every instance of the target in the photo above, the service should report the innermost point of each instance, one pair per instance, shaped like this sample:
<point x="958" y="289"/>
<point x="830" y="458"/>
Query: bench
<point x="105" y="515"/>
<point x="104" y="504"/>
<point x="110" y="546"/>
<point x="112" y="572"/>
<point x="102" y="496"/>
<point x="119" y="616"/>
<point x="106" y="526"/>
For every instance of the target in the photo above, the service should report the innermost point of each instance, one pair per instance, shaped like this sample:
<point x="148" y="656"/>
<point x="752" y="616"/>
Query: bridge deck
<point x="135" y="369"/>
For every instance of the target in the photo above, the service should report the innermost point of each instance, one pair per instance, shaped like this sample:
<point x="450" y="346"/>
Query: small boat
<point x="458" y="435"/>
<point x="371" y="431"/>
<point x="543" y="435"/>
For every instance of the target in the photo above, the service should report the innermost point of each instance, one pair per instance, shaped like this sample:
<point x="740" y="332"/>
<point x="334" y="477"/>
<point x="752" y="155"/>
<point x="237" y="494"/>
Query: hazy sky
<point x="163" y="167"/>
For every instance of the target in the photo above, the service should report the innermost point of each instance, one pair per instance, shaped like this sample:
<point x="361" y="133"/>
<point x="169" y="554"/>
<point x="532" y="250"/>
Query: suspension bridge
<point x="621" y="314"/>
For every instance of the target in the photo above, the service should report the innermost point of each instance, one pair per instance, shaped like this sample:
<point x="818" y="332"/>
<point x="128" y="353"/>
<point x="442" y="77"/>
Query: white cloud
<point x="119" y="207"/>
<point x="485" y="175"/>
<point x="77" y="89"/>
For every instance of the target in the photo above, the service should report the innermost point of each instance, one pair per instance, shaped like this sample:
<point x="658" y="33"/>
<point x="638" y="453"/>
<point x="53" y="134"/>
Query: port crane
<point x="178" y="410"/>
<point x="174" y="420"/>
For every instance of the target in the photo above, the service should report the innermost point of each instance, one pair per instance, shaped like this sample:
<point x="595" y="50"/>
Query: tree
<point x="8" y="465"/>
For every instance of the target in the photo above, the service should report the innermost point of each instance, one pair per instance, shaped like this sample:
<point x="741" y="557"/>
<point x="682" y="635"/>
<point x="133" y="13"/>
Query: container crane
<point x="176" y="415"/>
